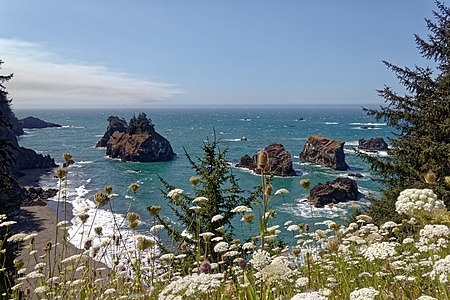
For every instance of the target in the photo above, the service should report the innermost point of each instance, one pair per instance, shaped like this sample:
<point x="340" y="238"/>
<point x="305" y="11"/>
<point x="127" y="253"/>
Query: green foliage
<point x="140" y="124"/>
<point x="421" y="118"/>
<point x="218" y="185"/>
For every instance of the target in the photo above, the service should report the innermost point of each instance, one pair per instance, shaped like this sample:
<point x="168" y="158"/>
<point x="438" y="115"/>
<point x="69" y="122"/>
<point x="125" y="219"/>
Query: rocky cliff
<point x="136" y="142"/>
<point x="325" y="152"/>
<point x="114" y="124"/>
<point x="279" y="161"/>
<point x="339" y="190"/>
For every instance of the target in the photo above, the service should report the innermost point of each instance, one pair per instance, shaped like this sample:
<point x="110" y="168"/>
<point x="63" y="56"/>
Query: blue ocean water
<point x="188" y="129"/>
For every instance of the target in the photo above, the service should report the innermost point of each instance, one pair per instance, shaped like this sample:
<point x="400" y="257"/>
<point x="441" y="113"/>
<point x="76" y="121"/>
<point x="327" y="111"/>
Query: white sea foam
<point x="369" y="124"/>
<point x="370" y="153"/>
<point x="352" y="143"/>
<point x="231" y="140"/>
<point x="330" y="123"/>
<point x="84" y="162"/>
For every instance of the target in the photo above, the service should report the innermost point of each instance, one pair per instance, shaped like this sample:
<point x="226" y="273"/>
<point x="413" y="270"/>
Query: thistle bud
<point x="194" y="180"/>
<point x="98" y="230"/>
<point x="447" y="180"/>
<point x="108" y="189"/>
<point x="305" y="183"/>
<point x="68" y="158"/>
<point x="134" y="187"/>
<point x="83" y="218"/>
<point x="430" y="177"/>
<point x="101" y="199"/>
<point x="306" y="227"/>
<point x="205" y="267"/>
<point x="296" y="251"/>
<point x="268" y="190"/>
<point x="154" y="209"/>
<point x="248" y="218"/>
<point x="61" y="172"/>
<point x="262" y="161"/>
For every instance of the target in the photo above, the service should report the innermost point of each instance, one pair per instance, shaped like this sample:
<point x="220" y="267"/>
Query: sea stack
<point x="279" y="161"/>
<point x="325" y="152"/>
<point x="373" y="144"/>
<point x="32" y="122"/>
<point x="137" y="141"/>
<point x="339" y="190"/>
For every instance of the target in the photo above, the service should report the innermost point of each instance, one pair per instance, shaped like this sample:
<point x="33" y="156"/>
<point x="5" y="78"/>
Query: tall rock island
<point x="325" y="152"/>
<point x="137" y="141"/>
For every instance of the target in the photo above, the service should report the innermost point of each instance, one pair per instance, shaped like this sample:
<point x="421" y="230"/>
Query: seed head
<point x="101" y="199"/>
<point x="61" y="172"/>
<point x="305" y="183"/>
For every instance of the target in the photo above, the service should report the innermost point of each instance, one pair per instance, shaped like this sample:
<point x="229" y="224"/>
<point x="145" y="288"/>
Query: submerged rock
<point x="136" y="142"/>
<point x="339" y="190"/>
<point x="279" y="161"/>
<point x="373" y="144"/>
<point x="32" y="122"/>
<point x="325" y="152"/>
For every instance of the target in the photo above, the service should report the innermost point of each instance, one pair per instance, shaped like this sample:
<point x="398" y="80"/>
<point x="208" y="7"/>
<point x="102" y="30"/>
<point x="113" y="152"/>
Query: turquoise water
<point x="189" y="128"/>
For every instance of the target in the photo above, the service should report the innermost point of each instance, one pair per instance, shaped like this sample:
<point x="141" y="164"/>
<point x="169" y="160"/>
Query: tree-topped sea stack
<point x="325" y="152"/>
<point x="137" y="141"/>
<point x="279" y="161"/>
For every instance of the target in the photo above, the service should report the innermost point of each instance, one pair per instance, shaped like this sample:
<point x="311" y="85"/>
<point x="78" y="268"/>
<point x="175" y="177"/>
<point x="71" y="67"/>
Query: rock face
<point x="373" y="144"/>
<point x="38" y="196"/>
<point x="279" y="160"/>
<point x="339" y="190"/>
<point x="325" y="152"/>
<point x="32" y="122"/>
<point x="138" y="142"/>
<point x="115" y="124"/>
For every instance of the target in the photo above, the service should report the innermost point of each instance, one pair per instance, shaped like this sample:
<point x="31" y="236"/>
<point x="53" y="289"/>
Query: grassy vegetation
<point x="405" y="260"/>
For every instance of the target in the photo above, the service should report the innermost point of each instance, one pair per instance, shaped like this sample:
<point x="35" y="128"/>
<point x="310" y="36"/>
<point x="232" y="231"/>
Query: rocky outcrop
<point x="36" y="196"/>
<point x="138" y="142"/>
<point x="29" y="159"/>
<point x="279" y="161"/>
<point x="325" y="152"/>
<point x="115" y="124"/>
<point x="373" y="144"/>
<point x="32" y="122"/>
<point x="339" y="190"/>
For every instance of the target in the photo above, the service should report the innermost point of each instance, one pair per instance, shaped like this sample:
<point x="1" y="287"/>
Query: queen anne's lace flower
<point x="441" y="270"/>
<point x="433" y="238"/>
<point x="364" y="294"/>
<point x="195" y="286"/>
<point x="260" y="259"/>
<point x="414" y="202"/>
<point x="426" y="298"/>
<point x="221" y="247"/>
<point x="216" y="218"/>
<point x="309" y="296"/>
<point x="381" y="250"/>
<point x="241" y="209"/>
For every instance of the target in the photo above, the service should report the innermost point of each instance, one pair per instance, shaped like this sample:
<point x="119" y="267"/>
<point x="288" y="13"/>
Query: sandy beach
<point x="41" y="220"/>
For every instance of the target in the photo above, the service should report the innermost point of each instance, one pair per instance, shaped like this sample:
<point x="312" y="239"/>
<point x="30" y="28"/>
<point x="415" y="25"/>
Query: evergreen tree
<point x="421" y="118"/>
<point x="140" y="124"/>
<point x="219" y="192"/>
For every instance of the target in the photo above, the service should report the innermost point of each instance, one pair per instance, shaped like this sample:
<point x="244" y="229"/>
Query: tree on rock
<point x="421" y="118"/>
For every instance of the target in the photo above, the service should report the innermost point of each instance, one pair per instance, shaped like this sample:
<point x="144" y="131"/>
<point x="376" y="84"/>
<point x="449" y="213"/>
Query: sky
<point x="189" y="53"/>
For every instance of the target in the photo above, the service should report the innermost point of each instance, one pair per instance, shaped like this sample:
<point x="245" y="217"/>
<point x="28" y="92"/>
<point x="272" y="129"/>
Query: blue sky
<point x="140" y="53"/>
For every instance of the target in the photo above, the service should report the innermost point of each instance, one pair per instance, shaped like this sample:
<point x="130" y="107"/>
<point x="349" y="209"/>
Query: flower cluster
<point x="414" y="202"/>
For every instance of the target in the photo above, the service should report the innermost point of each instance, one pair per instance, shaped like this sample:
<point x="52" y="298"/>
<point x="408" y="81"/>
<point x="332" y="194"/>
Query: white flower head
<point x="216" y="218"/>
<point x="364" y="294"/>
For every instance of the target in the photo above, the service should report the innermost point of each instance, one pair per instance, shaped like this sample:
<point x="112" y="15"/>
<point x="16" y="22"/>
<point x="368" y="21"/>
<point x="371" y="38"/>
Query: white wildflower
<point x="41" y="289"/>
<point x="293" y="228"/>
<point x="248" y="246"/>
<point x="241" y="209"/>
<point x="281" y="192"/>
<point x="221" y="247"/>
<point x="441" y="270"/>
<point x="302" y="281"/>
<point x="260" y="259"/>
<point x="7" y="223"/>
<point x="167" y="256"/>
<point x="414" y="202"/>
<point x="156" y="228"/>
<point x="175" y="193"/>
<point x="364" y="294"/>
<point x="18" y="237"/>
<point x="231" y="253"/>
<point x="217" y="239"/>
<point x="200" y="199"/>
<point x="216" y="218"/>
<point x="424" y="297"/>
<point x="309" y="296"/>
<point x="381" y="250"/>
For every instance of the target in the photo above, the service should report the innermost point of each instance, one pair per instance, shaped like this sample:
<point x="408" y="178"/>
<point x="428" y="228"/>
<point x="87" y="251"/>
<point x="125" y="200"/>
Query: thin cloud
<point x="42" y="80"/>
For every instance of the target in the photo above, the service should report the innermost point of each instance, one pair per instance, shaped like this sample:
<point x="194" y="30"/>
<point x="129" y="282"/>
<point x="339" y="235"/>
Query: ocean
<point x="188" y="129"/>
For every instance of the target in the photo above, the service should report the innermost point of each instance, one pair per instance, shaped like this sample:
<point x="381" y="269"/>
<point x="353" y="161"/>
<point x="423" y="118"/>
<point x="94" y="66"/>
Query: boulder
<point x="325" y="152"/>
<point x="339" y="190"/>
<point x="357" y="175"/>
<point x="115" y="124"/>
<point x="32" y="122"/>
<point x="279" y="161"/>
<point x="36" y="196"/>
<point x="373" y="144"/>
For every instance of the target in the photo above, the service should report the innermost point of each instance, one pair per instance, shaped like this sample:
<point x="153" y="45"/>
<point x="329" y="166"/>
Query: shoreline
<point x="42" y="220"/>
